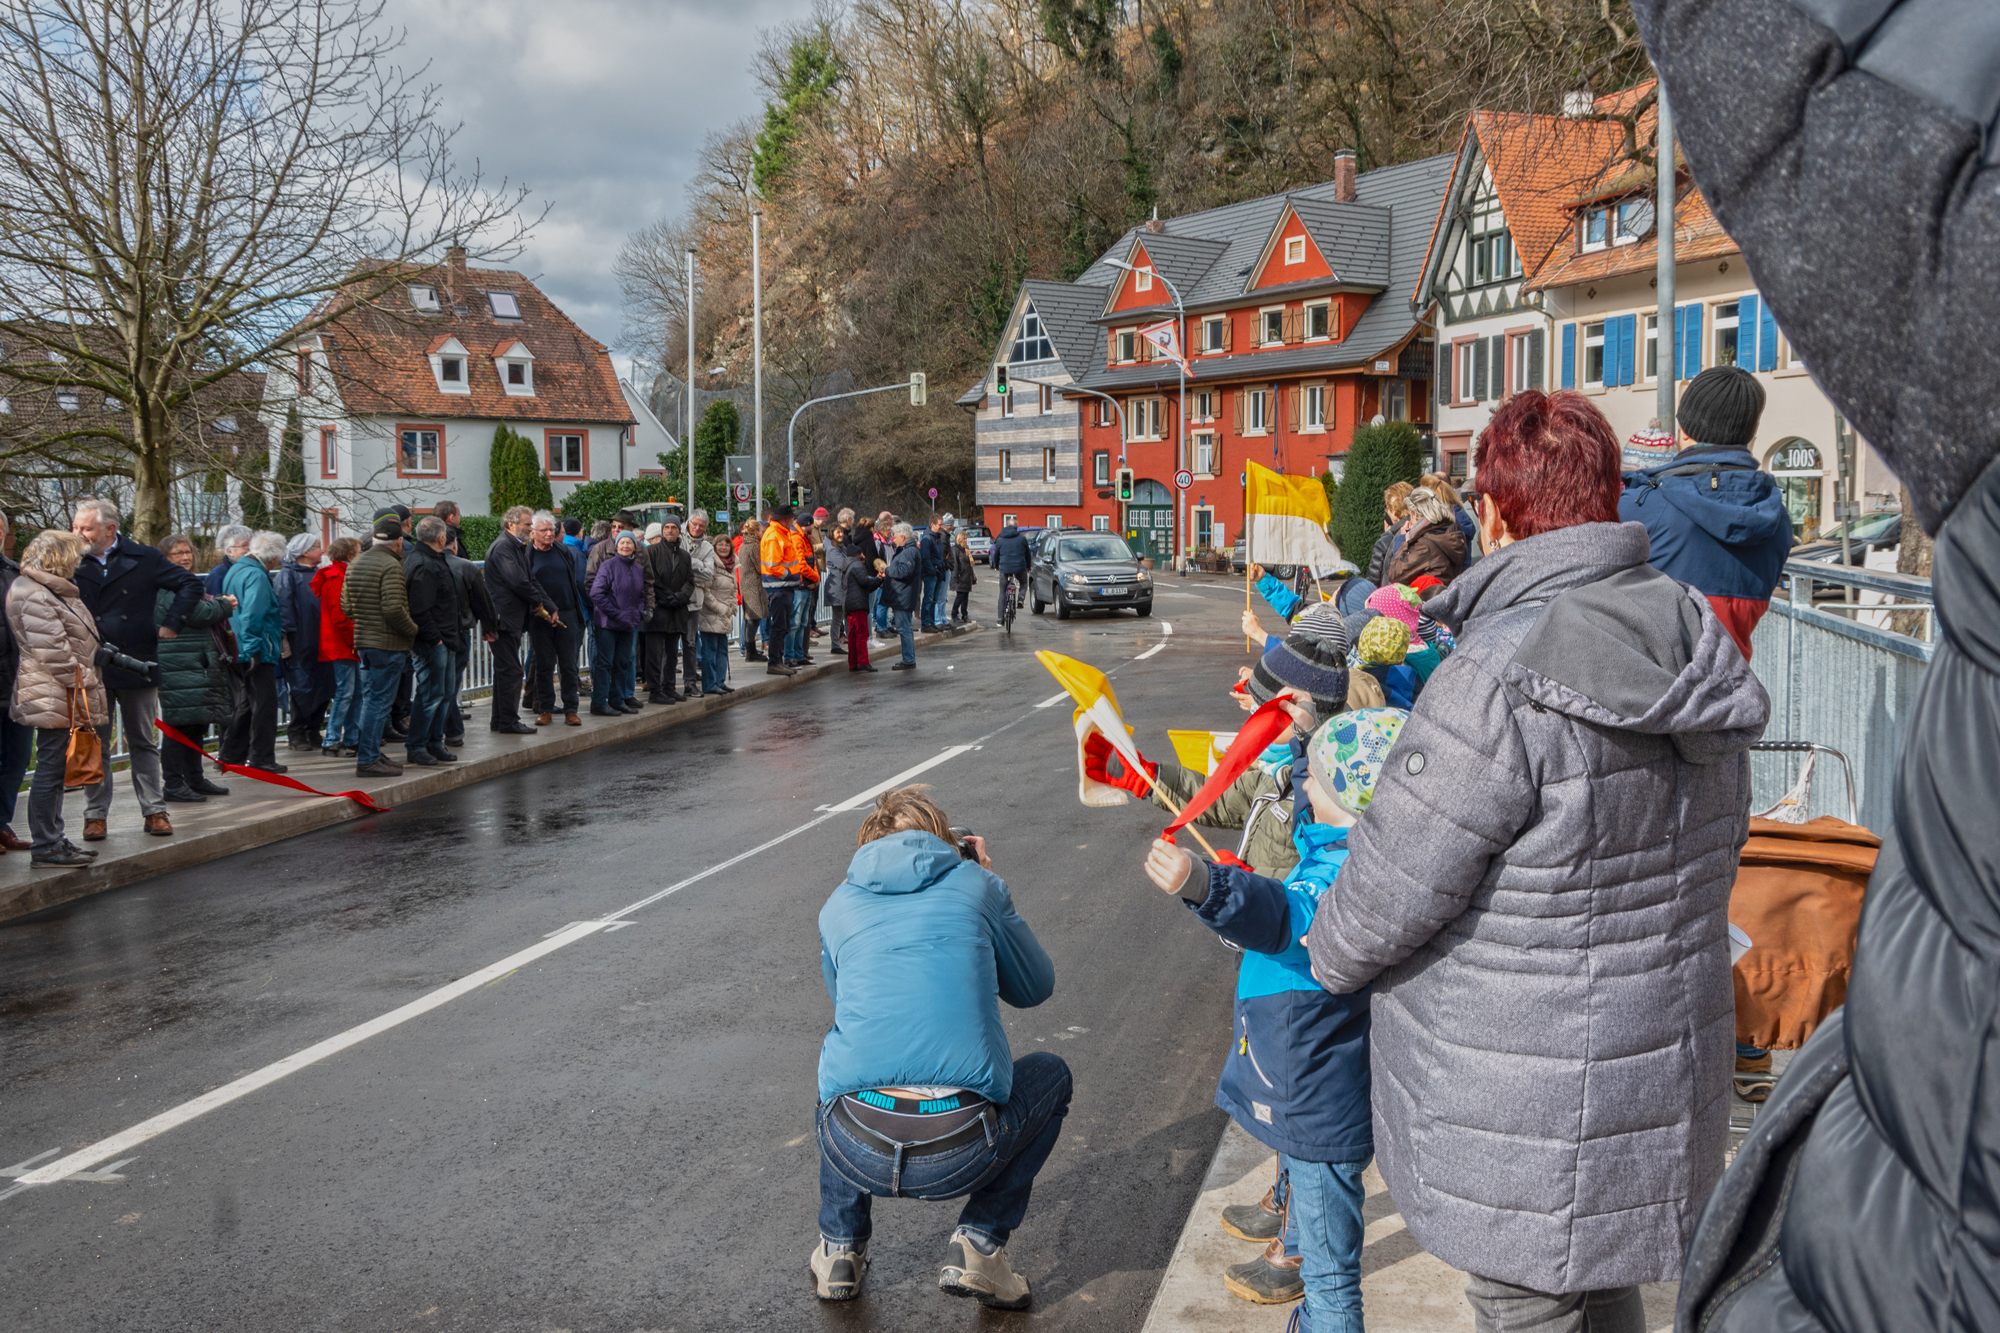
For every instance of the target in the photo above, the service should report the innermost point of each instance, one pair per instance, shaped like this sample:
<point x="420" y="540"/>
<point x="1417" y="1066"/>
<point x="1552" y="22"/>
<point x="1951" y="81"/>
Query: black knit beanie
<point x="1721" y="406"/>
<point x="1312" y="657"/>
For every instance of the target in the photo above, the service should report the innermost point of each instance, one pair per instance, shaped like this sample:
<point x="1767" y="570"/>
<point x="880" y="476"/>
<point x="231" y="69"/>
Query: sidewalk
<point x="1403" y="1289"/>
<point x="255" y="814"/>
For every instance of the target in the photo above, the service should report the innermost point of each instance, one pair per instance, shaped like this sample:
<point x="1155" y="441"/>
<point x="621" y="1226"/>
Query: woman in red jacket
<point x="336" y="645"/>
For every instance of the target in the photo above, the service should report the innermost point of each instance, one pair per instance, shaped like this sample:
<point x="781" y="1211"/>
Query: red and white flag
<point x="1165" y="336"/>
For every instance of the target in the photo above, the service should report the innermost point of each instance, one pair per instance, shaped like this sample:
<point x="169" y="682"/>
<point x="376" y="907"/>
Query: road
<point x="615" y="1135"/>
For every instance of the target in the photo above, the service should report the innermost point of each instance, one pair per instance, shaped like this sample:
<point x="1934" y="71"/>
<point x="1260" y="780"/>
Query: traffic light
<point x="919" y="388"/>
<point x="1125" y="483"/>
<point x="1000" y="380"/>
<point x="795" y="494"/>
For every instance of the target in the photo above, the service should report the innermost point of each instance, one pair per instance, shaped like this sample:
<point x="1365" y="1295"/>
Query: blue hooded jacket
<point x="1716" y="521"/>
<point x="1297" y="1074"/>
<point x="918" y="947"/>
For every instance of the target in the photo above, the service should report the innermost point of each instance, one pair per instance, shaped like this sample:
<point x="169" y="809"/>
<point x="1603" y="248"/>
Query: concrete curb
<point x="253" y="819"/>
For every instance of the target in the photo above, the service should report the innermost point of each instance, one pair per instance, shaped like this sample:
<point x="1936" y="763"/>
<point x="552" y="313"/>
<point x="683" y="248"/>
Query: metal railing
<point x="1839" y="675"/>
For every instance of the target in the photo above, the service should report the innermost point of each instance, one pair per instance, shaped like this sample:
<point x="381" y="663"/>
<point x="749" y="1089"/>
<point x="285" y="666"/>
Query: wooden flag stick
<point x="1168" y="801"/>
<point x="1249" y="644"/>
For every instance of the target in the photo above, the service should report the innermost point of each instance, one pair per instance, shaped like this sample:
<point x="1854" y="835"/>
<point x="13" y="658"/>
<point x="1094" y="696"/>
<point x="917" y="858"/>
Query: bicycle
<point x="1009" y="601"/>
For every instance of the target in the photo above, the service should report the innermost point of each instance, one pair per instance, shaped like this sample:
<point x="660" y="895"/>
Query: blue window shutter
<point x="1627" y="335"/>
<point x="1569" y="356"/>
<point x="1767" y="338"/>
<point x="1691" y="354"/>
<point x="1680" y="337"/>
<point x="1746" y="332"/>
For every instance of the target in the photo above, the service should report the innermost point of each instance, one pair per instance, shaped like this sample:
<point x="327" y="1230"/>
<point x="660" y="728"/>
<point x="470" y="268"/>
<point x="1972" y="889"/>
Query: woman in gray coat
<point x="1539" y="893"/>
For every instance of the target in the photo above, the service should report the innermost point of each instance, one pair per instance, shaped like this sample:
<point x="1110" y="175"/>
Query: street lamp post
<point x="1116" y="406"/>
<point x="791" y="458"/>
<point x="1663" y="227"/>
<point x="688" y="439"/>
<point x="757" y="357"/>
<point x="1180" y="452"/>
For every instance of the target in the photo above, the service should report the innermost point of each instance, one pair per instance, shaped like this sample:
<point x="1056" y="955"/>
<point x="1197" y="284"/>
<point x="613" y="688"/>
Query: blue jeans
<point x="881" y="611"/>
<point x="906" y="630"/>
<point x="712" y="650"/>
<point x="933" y="595"/>
<point x="17" y="748"/>
<point x="795" y="637"/>
<point x="342" y="716"/>
<point x="613" y="664"/>
<point x="381" y="674"/>
<point x="997" y="1174"/>
<point x="1326" y="1200"/>
<point x="428" y="697"/>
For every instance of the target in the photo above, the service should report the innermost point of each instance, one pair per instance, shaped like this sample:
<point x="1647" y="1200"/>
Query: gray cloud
<point x="600" y="105"/>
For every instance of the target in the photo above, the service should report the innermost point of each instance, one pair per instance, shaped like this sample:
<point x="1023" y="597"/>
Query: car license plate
<point x="1109" y="592"/>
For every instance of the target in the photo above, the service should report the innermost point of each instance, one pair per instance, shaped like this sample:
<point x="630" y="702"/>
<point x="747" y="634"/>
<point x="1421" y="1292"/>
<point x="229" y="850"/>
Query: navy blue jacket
<point x="298" y="611"/>
<point x="1009" y="554"/>
<point x="1297" y="1074"/>
<point x="120" y="593"/>
<point x="937" y="558"/>
<point x="1715" y="520"/>
<point x="903" y="586"/>
<point x="212" y="581"/>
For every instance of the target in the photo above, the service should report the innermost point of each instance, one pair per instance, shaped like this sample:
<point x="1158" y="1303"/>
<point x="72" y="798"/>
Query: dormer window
<point x="1635" y="219"/>
<point x="504" y="305"/>
<point x="66" y="401"/>
<point x="225" y="425"/>
<point x="424" y="298"/>
<point x="450" y="366"/>
<point x="1295" y="250"/>
<point x="1128" y="345"/>
<point x="1142" y="280"/>
<point x="516" y="367"/>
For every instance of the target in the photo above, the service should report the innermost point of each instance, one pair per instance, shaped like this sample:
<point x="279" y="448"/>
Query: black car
<point x="1078" y="569"/>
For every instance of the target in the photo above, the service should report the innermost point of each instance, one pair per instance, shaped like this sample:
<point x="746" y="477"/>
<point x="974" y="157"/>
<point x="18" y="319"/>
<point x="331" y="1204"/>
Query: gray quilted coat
<point x="57" y="637"/>
<point x="1538" y="892"/>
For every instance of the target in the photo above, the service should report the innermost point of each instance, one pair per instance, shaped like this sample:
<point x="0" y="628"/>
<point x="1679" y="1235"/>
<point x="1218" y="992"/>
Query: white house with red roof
<point x="401" y="396"/>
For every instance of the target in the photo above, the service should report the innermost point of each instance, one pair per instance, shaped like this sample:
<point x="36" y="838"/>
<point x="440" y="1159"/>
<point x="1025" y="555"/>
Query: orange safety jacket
<point x="785" y="557"/>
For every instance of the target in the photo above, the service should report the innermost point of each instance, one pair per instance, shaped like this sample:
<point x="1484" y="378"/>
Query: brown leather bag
<point x="84" y="766"/>
<point x="1798" y="897"/>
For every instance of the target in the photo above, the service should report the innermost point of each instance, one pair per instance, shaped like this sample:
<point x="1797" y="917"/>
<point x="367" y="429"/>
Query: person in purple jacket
<point x="618" y="605"/>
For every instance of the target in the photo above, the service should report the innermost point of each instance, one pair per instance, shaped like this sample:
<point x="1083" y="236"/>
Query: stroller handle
<point x="1814" y="747"/>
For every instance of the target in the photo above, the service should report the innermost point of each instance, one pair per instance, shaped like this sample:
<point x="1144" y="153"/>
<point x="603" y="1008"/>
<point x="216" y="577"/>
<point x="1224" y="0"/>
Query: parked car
<point x="1075" y="570"/>
<point x="1870" y="532"/>
<point x="978" y="540"/>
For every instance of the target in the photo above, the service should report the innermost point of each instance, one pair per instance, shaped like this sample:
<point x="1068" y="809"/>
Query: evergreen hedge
<point x="1380" y="457"/>
<point x="514" y="473"/>
<point x="476" y="532"/>
<point x="596" y="500"/>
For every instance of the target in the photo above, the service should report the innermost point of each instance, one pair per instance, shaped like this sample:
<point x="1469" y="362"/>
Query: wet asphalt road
<point x="616" y="1136"/>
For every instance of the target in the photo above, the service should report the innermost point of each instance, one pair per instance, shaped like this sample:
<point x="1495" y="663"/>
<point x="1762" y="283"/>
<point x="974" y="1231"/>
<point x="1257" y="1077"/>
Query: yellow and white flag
<point x="1096" y="712"/>
<point x="1285" y="519"/>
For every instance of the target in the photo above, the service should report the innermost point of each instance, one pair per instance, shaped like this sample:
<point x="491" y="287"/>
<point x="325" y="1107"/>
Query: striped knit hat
<point x="1312" y="657"/>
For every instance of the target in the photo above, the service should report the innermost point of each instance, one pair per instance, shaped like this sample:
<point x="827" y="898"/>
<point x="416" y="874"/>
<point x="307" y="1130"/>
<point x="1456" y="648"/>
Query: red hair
<point x="1549" y="461"/>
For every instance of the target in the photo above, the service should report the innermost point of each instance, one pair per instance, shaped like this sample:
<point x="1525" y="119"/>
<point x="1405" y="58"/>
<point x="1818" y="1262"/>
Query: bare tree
<point x="188" y="185"/>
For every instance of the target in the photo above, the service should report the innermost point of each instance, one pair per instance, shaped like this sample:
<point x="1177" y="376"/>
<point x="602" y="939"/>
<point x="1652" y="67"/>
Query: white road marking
<point x="1165" y="628"/>
<point x="1150" y="651"/>
<point x="104" y="1149"/>
<point x="1053" y="699"/>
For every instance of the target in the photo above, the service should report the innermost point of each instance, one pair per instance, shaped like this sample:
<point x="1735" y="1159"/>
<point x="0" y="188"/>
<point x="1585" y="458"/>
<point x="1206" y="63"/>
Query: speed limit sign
<point x="1183" y="478"/>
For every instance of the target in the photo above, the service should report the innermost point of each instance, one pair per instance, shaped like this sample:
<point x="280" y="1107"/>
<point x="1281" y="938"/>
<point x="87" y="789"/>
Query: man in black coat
<point x="516" y="596"/>
<point x="119" y="581"/>
<point x="936" y="556"/>
<point x="665" y="627"/>
<point x="478" y="613"/>
<point x="438" y="607"/>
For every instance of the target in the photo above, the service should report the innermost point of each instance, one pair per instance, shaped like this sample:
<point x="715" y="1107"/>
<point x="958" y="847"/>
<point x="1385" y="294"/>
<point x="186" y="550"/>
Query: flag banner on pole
<point x="1285" y="519"/>
<point x="1198" y="750"/>
<point x="1256" y="735"/>
<point x="1166" y="336"/>
<point x="1096" y="714"/>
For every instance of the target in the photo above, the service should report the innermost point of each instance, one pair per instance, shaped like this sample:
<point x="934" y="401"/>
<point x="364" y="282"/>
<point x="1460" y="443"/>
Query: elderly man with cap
<point x="309" y="680"/>
<point x="376" y="598"/>
<point x="1715" y="519"/>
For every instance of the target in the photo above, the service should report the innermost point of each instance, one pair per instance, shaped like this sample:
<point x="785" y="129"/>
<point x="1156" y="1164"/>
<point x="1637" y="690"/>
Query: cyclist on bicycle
<point x="1010" y="561"/>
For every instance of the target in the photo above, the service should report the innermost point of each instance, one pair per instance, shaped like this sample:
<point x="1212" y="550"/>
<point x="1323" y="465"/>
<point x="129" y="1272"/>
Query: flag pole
<point x="1249" y="644"/>
<point x="1168" y="801"/>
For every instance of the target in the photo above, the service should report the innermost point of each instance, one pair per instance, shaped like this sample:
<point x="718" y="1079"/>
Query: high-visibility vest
<point x="785" y="556"/>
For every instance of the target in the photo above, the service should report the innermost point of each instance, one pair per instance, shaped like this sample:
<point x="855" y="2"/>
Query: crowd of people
<point x="1480" y="898"/>
<point x="364" y="643"/>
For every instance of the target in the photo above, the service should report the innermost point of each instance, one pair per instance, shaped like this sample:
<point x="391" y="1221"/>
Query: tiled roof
<point x="1352" y="238"/>
<point x="1697" y="236"/>
<point x="1183" y="259"/>
<point x="1243" y="366"/>
<point x="1066" y="309"/>
<point x="380" y="354"/>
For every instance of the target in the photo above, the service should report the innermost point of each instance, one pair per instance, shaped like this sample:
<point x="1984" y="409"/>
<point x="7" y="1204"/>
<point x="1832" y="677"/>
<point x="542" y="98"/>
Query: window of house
<point x="517" y="373"/>
<point x="1635" y="219"/>
<point x="1128" y="345"/>
<point x="451" y="369"/>
<point x="1467" y="376"/>
<point x="1258" y="411"/>
<point x="1142" y="418"/>
<point x="1142" y="280"/>
<point x="1652" y="347"/>
<point x="6" y="407"/>
<point x="1274" y="325"/>
<point x="1215" y="334"/>
<point x="1053" y="522"/>
<point x="1395" y="405"/>
<point x="1100" y="467"/>
<point x="1319" y="320"/>
<point x="424" y="298"/>
<point x="225" y="425"/>
<point x="1007" y="520"/>
<point x="66" y="401"/>
<point x="1048" y="465"/>
<point x="1100" y="522"/>
<point x="1204" y="405"/>
<point x="1593" y="355"/>
<point x="329" y="451"/>
<point x="420" y="451"/>
<point x="1517" y="364"/>
<point x="1314" y="415"/>
<point x="504" y="305"/>
<point x="1103" y="406"/>
<point x="1295" y="250"/>
<point x="565" y="454"/>
<point x="1454" y="463"/>
<point x="1596" y="229"/>
<point x="1048" y="403"/>
<point x="302" y="372"/>
<point x="1007" y="470"/>
<point x="1031" y="340"/>
<point x="112" y="404"/>
<point x="1007" y="400"/>
<point x="1204" y="453"/>
<point x="329" y="526"/>
<point x="1726" y="321"/>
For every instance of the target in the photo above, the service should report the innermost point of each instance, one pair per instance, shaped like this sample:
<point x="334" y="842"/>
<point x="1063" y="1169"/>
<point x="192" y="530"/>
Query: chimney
<point x="1578" y="104"/>
<point x="1155" y="225"/>
<point x="454" y="261"/>
<point x="1343" y="176"/>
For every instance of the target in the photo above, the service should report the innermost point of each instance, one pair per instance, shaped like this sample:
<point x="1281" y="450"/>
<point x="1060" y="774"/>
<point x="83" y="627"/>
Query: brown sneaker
<point x="93" y="830"/>
<point x="541" y="719"/>
<point x="571" y="719"/>
<point x="157" y="825"/>
<point x="776" y="668"/>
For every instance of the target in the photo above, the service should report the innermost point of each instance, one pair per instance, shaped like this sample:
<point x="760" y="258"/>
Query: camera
<point x="962" y="839"/>
<point x="108" y="656"/>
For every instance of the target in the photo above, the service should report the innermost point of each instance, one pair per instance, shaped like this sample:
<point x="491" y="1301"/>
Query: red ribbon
<point x="275" y="779"/>
<point x="1259" y="730"/>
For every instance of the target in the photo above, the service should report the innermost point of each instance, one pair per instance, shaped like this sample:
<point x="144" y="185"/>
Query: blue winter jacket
<point x="918" y="947"/>
<point x="255" y="620"/>
<point x="1282" y="599"/>
<point x="1297" y="1074"/>
<point x="1715" y="520"/>
<point x="936" y="562"/>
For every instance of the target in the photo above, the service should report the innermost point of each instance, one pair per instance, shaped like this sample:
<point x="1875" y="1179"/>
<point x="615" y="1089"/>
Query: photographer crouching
<point x="918" y="1094"/>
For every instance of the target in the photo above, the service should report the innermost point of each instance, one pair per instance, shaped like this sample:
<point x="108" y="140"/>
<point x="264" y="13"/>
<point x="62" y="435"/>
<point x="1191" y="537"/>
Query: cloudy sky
<point x="600" y="105"/>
